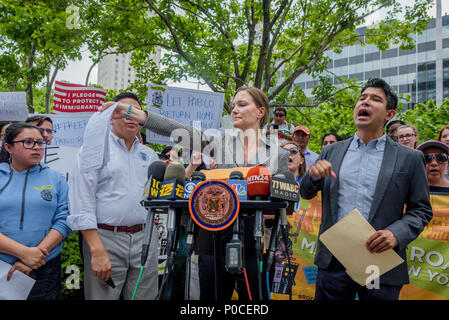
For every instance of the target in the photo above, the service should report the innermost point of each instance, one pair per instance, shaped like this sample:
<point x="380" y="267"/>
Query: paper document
<point x="95" y="151"/>
<point x="346" y="241"/>
<point x="18" y="287"/>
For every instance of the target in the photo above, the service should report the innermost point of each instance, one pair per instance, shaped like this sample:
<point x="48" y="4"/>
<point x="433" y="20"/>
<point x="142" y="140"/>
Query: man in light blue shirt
<point x="359" y="172"/>
<point x="301" y="135"/>
<point x="105" y="206"/>
<point x="385" y="181"/>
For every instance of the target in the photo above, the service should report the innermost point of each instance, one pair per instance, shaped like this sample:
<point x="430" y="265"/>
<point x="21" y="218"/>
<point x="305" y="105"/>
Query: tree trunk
<point x="90" y="70"/>
<point x="30" y="79"/>
<point x="50" y="84"/>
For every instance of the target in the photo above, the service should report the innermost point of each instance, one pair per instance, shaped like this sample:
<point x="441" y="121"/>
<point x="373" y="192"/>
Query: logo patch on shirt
<point x="43" y="187"/>
<point x="143" y="156"/>
<point x="46" y="195"/>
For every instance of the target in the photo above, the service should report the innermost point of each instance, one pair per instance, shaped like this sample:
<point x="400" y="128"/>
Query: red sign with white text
<point x="71" y="97"/>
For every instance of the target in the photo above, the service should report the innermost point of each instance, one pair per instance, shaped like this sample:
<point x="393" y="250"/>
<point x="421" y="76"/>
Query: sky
<point x="76" y="71"/>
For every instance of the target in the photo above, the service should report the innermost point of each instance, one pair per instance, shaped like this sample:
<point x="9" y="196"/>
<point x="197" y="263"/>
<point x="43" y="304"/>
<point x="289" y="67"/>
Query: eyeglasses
<point x="293" y="151"/>
<point x="30" y="143"/>
<point x="49" y="131"/>
<point x="279" y="115"/>
<point x="408" y="136"/>
<point x="440" y="157"/>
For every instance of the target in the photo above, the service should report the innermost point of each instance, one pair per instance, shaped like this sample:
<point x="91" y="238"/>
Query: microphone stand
<point x="189" y="250"/>
<point x="258" y="234"/>
<point x="171" y="244"/>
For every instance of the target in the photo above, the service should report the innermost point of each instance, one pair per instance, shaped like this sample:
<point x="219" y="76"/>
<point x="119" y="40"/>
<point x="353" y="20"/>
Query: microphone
<point x="234" y="248"/>
<point x="236" y="180"/>
<point x="258" y="180"/>
<point x="190" y="185"/>
<point x="156" y="172"/>
<point x="172" y="189"/>
<point x="173" y="186"/>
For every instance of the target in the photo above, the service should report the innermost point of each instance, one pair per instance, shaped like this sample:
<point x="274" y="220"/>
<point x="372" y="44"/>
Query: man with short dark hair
<point x="301" y="135"/>
<point x="380" y="178"/>
<point x="392" y="126"/>
<point x="45" y="124"/>
<point x="105" y="206"/>
<point x="279" y="123"/>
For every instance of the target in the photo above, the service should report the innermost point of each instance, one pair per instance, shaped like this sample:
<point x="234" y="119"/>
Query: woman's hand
<point x="20" y="266"/>
<point x="34" y="257"/>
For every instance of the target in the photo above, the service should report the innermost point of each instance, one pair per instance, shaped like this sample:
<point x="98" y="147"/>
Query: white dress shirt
<point x="111" y="195"/>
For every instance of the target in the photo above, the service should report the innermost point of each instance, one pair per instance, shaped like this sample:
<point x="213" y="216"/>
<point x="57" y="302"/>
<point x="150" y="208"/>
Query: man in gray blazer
<point x="379" y="177"/>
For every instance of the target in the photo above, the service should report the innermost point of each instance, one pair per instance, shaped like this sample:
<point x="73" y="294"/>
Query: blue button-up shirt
<point x="358" y="175"/>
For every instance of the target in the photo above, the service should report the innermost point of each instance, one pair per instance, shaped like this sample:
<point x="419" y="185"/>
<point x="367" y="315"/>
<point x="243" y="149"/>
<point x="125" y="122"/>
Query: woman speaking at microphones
<point x="245" y="147"/>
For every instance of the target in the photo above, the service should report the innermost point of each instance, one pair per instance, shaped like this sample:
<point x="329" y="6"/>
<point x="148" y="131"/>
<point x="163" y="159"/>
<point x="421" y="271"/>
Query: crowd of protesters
<point x="34" y="199"/>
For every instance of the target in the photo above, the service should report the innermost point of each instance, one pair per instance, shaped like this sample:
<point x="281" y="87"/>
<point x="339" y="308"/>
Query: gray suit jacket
<point x="227" y="150"/>
<point x="402" y="181"/>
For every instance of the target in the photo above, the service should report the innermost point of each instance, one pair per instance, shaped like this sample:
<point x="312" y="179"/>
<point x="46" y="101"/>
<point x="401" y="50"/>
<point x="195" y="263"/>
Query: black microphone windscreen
<point x="157" y="170"/>
<point x="236" y="175"/>
<point x="289" y="176"/>
<point x="175" y="171"/>
<point x="198" y="176"/>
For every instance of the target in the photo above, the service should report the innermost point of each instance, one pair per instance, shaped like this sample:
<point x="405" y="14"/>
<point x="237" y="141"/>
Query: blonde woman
<point x="408" y="136"/>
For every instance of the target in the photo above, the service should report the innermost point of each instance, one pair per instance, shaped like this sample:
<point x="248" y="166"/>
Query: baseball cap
<point x="303" y="129"/>
<point x="434" y="143"/>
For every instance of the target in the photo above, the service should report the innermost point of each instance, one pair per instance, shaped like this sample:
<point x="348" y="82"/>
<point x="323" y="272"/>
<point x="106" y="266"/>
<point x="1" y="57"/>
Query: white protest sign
<point x="13" y="106"/>
<point x="67" y="140"/>
<point x="184" y="106"/>
<point x="69" y="129"/>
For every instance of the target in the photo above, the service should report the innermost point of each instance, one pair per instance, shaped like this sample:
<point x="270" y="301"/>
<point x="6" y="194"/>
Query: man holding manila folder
<point x="384" y="181"/>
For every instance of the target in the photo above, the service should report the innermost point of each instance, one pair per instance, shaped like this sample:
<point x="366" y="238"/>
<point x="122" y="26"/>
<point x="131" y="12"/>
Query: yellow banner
<point x="427" y="256"/>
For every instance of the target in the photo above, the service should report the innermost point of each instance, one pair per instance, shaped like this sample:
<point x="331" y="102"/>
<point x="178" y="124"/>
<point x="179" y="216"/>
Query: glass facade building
<point x="415" y="72"/>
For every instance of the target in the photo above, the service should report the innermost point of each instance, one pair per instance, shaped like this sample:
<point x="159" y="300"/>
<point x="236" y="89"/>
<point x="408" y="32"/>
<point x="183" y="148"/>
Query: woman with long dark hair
<point x="33" y="211"/>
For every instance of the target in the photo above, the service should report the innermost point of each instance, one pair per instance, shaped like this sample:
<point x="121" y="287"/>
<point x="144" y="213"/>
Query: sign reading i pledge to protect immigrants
<point x="72" y="98"/>
<point x="346" y="241"/>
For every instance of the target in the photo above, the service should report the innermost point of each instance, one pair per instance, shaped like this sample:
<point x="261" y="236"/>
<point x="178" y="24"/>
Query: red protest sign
<point x="71" y="97"/>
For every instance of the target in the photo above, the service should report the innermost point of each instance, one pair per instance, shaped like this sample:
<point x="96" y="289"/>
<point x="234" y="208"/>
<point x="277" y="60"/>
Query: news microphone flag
<point x="156" y="172"/>
<point x="190" y="185"/>
<point x="240" y="185"/>
<point x="284" y="187"/>
<point x="172" y="187"/>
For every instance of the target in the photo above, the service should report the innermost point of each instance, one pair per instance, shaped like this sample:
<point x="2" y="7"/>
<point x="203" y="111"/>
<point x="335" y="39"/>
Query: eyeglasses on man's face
<point x="30" y="143"/>
<point x="279" y="114"/>
<point x="48" y="131"/>
<point x="439" y="157"/>
<point x="406" y="136"/>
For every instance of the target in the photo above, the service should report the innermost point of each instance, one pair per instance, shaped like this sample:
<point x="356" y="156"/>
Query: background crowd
<point x="35" y="201"/>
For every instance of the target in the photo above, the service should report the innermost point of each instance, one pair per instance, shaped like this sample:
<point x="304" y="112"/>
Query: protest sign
<point x="67" y="140"/>
<point x="185" y="106"/>
<point x="427" y="256"/>
<point x="13" y="106"/>
<point x="72" y="98"/>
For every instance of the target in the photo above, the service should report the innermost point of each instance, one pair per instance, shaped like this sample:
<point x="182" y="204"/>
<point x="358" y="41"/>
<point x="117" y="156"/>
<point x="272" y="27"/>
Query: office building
<point x="422" y="73"/>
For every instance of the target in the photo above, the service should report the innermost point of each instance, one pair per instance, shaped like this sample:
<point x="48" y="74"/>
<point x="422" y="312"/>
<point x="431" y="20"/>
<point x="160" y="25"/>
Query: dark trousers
<point x="333" y="283"/>
<point x="48" y="281"/>
<point x="226" y="282"/>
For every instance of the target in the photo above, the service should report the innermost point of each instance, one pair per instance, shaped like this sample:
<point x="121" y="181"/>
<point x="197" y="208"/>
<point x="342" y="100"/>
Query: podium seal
<point x="214" y="205"/>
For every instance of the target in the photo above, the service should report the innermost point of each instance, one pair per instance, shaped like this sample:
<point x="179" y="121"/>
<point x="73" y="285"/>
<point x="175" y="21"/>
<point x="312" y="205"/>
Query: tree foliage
<point x="264" y="43"/>
<point x="35" y="43"/>
<point x="334" y="117"/>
